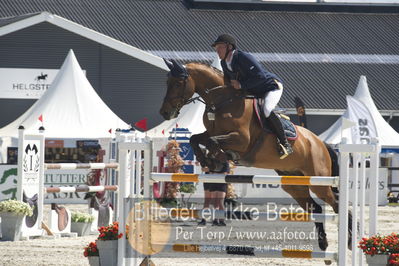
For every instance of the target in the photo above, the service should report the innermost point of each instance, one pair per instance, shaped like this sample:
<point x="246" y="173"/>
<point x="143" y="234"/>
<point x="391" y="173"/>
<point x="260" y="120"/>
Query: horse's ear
<point x="178" y="69"/>
<point x="168" y="63"/>
<point x="174" y="62"/>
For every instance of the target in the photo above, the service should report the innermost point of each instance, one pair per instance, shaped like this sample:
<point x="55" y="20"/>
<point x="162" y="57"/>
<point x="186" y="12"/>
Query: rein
<point x="207" y="91"/>
<point x="198" y="98"/>
<point x="212" y="107"/>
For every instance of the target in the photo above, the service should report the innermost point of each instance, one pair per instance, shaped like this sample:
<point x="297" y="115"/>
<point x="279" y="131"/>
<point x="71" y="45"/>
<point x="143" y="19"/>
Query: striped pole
<point x="71" y="166"/>
<point x="249" y="179"/>
<point x="249" y="215"/>
<point x="82" y="188"/>
<point x="260" y="251"/>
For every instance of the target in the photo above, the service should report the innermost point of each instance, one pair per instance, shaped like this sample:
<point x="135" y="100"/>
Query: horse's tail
<point x="334" y="165"/>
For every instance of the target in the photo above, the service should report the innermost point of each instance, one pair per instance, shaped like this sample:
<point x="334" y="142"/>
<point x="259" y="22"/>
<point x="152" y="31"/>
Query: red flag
<point x="142" y="124"/>
<point x="41" y="118"/>
<point x="110" y="131"/>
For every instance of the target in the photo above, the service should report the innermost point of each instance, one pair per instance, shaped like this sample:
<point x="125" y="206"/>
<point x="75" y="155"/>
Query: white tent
<point x="71" y="109"/>
<point x="387" y="136"/>
<point x="190" y="117"/>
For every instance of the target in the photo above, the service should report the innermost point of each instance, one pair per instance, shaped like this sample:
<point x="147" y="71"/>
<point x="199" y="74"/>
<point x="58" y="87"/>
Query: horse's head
<point x="180" y="88"/>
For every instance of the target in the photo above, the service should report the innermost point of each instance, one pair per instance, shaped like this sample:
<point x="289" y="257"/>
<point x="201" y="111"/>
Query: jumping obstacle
<point x="71" y="166"/>
<point x="131" y="171"/>
<point x="250" y="215"/>
<point x="249" y="251"/>
<point x="31" y="188"/>
<point x="81" y="188"/>
<point x="130" y="174"/>
<point x="248" y="179"/>
<point x="358" y="153"/>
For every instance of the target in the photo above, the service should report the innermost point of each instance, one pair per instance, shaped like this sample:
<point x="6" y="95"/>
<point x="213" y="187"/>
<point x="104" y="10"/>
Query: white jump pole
<point x="343" y="203"/>
<point x="123" y="172"/>
<point x="373" y="203"/>
<point x="362" y="198"/>
<point x="354" y="193"/>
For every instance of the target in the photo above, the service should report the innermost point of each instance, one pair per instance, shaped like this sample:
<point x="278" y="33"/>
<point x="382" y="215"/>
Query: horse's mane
<point x="203" y="65"/>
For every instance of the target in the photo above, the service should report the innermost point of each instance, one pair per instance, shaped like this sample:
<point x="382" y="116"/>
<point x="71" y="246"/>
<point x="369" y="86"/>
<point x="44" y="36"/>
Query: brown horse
<point x="233" y="132"/>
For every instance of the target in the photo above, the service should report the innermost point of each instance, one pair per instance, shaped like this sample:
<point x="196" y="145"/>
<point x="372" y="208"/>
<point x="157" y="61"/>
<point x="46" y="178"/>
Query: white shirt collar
<point x="228" y="63"/>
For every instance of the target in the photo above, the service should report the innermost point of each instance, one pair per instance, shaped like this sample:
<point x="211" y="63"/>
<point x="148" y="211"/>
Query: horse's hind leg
<point x="326" y="194"/>
<point x="302" y="195"/>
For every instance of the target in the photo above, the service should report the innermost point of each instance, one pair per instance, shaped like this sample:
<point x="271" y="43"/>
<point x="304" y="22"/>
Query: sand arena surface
<point x="69" y="251"/>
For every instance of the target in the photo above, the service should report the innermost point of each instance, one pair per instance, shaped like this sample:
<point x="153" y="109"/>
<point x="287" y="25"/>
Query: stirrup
<point x="284" y="151"/>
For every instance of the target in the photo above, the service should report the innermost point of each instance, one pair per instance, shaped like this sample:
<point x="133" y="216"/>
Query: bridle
<point x="182" y="101"/>
<point x="209" y="107"/>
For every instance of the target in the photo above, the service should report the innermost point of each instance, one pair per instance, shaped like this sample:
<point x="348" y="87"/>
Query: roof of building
<point x="319" y="55"/>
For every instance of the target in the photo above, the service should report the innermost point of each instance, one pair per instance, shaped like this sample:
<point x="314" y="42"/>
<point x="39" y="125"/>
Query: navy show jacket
<point x="254" y="79"/>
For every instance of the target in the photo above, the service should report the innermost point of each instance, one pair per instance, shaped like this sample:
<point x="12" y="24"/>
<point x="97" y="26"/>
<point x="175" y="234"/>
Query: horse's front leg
<point x="234" y="141"/>
<point x="195" y="141"/>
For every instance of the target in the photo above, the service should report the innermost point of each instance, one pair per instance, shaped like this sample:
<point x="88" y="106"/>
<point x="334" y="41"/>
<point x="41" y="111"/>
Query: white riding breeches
<point x="272" y="98"/>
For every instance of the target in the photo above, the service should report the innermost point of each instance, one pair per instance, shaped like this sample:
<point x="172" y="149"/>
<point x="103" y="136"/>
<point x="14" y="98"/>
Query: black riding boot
<point x="285" y="146"/>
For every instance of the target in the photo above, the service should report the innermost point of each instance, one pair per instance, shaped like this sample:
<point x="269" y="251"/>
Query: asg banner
<point x="365" y="128"/>
<point x="25" y="83"/>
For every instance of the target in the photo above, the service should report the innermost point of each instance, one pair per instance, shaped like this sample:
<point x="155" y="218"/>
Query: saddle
<point x="30" y="221"/>
<point x="62" y="216"/>
<point x="289" y="127"/>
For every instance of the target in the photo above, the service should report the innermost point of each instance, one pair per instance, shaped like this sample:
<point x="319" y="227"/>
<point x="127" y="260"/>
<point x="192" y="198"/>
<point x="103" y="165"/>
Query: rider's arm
<point x="255" y="76"/>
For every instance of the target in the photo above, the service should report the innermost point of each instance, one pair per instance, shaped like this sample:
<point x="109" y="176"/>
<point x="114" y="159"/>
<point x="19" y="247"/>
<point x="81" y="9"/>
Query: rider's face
<point x="221" y="49"/>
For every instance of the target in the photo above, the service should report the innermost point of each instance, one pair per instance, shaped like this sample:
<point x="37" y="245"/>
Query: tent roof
<point x="386" y="134"/>
<point x="12" y="24"/>
<point x="70" y="108"/>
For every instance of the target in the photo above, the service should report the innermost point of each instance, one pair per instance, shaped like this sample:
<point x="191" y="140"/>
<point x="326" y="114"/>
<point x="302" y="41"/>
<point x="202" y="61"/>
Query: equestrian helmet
<point x="225" y="38"/>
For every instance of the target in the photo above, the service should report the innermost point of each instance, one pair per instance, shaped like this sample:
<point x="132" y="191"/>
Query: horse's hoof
<point x="350" y="243"/>
<point x="220" y="156"/>
<point x="323" y="242"/>
<point x="350" y="239"/>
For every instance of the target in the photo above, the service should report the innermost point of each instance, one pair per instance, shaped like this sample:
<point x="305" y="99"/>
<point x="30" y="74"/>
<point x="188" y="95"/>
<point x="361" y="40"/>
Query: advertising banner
<point x="365" y="128"/>
<point x="25" y="83"/>
<point x="52" y="178"/>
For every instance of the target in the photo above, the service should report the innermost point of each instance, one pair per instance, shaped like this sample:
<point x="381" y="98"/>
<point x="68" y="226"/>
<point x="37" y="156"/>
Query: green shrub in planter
<point x="80" y="217"/>
<point x="187" y="188"/>
<point x="16" y="207"/>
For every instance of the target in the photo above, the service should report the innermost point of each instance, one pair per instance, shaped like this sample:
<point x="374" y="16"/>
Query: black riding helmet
<point x="225" y="38"/>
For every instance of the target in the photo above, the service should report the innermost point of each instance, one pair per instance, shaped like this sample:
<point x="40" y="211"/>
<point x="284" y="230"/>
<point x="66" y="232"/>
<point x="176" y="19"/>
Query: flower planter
<point x="83" y="229"/>
<point x="94" y="260"/>
<point x="11" y="225"/>
<point x="377" y="260"/>
<point x="108" y="250"/>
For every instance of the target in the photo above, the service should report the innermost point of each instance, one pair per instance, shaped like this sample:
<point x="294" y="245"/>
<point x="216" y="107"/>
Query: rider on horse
<point x="243" y="71"/>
